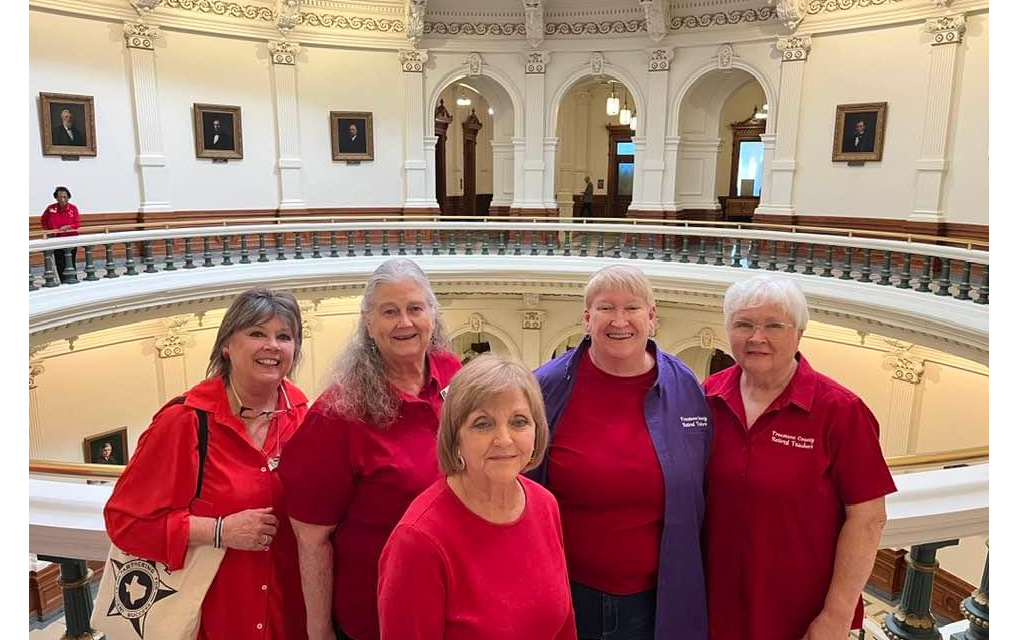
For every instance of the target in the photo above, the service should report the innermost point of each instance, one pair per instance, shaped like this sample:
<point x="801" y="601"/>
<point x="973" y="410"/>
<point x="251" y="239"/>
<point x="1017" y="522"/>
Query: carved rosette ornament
<point x="725" y="56"/>
<point x="309" y="320"/>
<point x="415" y="19"/>
<point x="139" y="35"/>
<point x="656" y="18"/>
<point x="660" y="59"/>
<point x="596" y="63"/>
<point x="536" y="61"/>
<point x="946" y="29"/>
<point x="794" y="48"/>
<point x="413" y="60"/>
<point x="283" y="52"/>
<point x="532" y="318"/>
<point x="534" y="25"/>
<point x="475" y="63"/>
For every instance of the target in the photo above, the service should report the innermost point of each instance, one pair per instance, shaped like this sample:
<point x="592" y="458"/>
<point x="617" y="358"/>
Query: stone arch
<point x="561" y="336"/>
<point x="497" y="77"/>
<point x="738" y="63"/>
<point x="512" y="347"/>
<point x="608" y="70"/>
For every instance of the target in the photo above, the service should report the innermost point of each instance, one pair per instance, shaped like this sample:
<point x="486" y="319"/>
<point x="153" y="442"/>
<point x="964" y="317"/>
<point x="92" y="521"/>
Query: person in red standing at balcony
<point x="795" y="484"/>
<point x="367" y="449"/>
<point x="252" y="410"/>
<point x="63" y="218"/>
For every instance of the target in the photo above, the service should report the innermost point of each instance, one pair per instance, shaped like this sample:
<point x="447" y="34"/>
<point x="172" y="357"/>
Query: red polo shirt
<point x="776" y="495"/>
<point x="55" y="217"/>
<point x="360" y="477"/>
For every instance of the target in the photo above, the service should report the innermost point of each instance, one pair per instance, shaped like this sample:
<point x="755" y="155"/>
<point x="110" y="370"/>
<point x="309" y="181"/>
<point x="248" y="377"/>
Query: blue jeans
<point x="603" y="616"/>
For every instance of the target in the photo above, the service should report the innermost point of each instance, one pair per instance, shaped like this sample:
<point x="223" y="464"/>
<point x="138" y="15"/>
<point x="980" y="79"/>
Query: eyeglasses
<point x="744" y="329"/>
<point x="249" y="413"/>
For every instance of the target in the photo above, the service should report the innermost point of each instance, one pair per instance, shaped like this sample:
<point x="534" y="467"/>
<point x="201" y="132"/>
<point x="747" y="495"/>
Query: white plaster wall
<point x="90" y="60"/>
<point x="193" y="68"/>
<point x="966" y="187"/>
<point x="879" y="65"/>
<point x="737" y="108"/>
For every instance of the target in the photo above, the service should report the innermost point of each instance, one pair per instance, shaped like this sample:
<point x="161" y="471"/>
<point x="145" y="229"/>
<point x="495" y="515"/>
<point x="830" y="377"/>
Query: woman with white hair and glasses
<point x="247" y="410"/>
<point x="795" y="483"/>
<point x="367" y="448"/>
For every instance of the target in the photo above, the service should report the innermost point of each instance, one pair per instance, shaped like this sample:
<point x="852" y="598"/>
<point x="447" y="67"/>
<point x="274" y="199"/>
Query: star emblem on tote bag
<point x="137" y="587"/>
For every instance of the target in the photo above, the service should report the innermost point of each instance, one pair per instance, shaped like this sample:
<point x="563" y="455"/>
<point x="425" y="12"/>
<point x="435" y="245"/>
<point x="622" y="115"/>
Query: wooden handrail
<point x="953" y="455"/>
<point x="226" y="222"/>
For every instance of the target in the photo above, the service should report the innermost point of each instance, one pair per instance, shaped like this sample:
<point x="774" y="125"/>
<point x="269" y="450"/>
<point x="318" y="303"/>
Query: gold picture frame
<point x="343" y="145"/>
<point x="859" y="132"/>
<point x="73" y="134"/>
<point x="217" y="131"/>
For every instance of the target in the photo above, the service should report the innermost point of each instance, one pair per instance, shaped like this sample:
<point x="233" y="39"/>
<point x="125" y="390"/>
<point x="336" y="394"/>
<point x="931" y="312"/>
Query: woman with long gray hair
<point x="367" y="449"/>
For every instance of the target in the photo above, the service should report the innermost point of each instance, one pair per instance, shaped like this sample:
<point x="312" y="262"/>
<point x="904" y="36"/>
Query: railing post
<point x="885" y="271"/>
<point x="168" y="256"/>
<point x="207" y="253"/>
<point x="74" y="583"/>
<point x="772" y="262"/>
<point x="315" y="246"/>
<point x="944" y="283"/>
<point x="244" y="251"/>
<point x="701" y="254"/>
<point x="867" y="269"/>
<point x="90" y="267"/>
<point x="984" y="287"/>
<point x="350" y="241"/>
<point x="684" y="250"/>
<point x="333" y="245"/>
<point x="828" y="263"/>
<point x="50" y="270"/>
<point x="298" y="246"/>
<point x="278" y="240"/>
<point x="906" y="273"/>
<point x="401" y="249"/>
<point x="963" y="287"/>
<point x="754" y="254"/>
<point x="70" y="273"/>
<point x="911" y="619"/>
<point x="736" y="253"/>
<point x="262" y="249"/>
<point x="225" y="251"/>
<point x="129" y="260"/>
<point x="976" y="609"/>
<point x="147" y="257"/>
<point x="108" y="263"/>
<point x="924" y="278"/>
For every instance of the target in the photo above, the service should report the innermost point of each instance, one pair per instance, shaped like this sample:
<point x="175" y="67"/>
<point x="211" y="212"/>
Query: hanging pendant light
<point x="626" y="114"/>
<point x="462" y="100"/>
<point x="633" y="122"/>
<point x="613" y="103"/>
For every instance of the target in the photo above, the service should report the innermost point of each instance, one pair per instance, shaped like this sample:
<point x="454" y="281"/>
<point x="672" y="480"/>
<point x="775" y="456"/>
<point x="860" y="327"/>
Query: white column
<point x="503" y="172"/>
<point x="429" y="152"/>
<point x="284" y="58"/>
<point x="550" y="165"/>
<point x="931" y="167"/>
<point x="637" y="173"/>
<point x="769" y="141"/>
<point x="697" y="157"/>
<point x="794" y="53"/>
<point x="518" y="145"/>
<point x="413" y="63"/>
<point x="532" y="194"/>
<point x="650" y="173"/>
<point x="140" y="39"/>
<point x="35" y="426"/>
<point x="667" y="189"/>
<point x="532" y="329"/>
<point x="896" y="435"/>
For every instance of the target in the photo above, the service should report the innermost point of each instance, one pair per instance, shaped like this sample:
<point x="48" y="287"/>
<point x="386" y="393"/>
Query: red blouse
<point x="55" y="217"/>
<point x="256" y="595"/>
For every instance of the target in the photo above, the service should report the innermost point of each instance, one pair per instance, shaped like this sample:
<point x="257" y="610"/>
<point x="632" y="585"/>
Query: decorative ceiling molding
<point x="288" y="12"/>
<point x="657" y="14"/>
<point x="415" y="18"/>
<point x="534" y="22"/>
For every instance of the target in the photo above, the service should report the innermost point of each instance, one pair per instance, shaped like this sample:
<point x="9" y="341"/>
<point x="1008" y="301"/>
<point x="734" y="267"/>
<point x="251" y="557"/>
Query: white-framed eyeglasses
<point x="744" y="329"/>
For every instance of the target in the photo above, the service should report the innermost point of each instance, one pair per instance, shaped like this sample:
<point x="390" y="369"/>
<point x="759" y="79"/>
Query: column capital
<point x="532" y="318"/>
<point x="946" y="29"/>
<point x="35" y="369"/>
<point x="413" y="60"/>
<point x="139" y="35"/>
<point x="536" y="61"/>
<point x="904" y="366"/>
<point x="659" y="59"/>
<point x="283" y="52"/>
<point x="177" y="338"/>
<point x="794" y="48"/>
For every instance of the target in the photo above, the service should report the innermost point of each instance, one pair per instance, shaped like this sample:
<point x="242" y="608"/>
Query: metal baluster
<point x="534" y="250"/>
<point x="846" y="269"/>
<point x="315" y="245"/>
<point x="244" y="250"/>
<point x="924" y="277"/>
<point x="584" y="246"/>
<point x="976" y="608"/>
<point x="944" y="284"/>
<point x="906" y="272"/>
<point x="668" y="250"/>
<point x="501" y="243"/>
<point x="367" y="249"/>
<point x="792" y="257"/>
<point x="718" y="252"/>
<point x="207" y="253"/>
<point x="701" y="254"/>
<point x="984" y="287"/>
<point x="129" y="260"/>
<point x="189" y="259"/>
<point x="401" y="250"/>
<point x="225" y="250"/>
<point x="418" y="242"/>
<point x="754" y="254"/>
<point x="772" y="262"/>
<point x="147" y="257"/>
<point x="278" y="240"/>
<point x="828" y="263"/>
<point x="518" y="243"/>
<point x="75" y="577"/>
<point x="90" y="268"/>
<point x="70" y="274"/>
<point x="262" y="249"/>
<point x="111" y="268"/>
<point x="617" y="246"/>
<point x="635" y="247"/>
<point x="333" y="245"/>
<point x="484" y="243"/>
<point x="50" y="270"/>
<point x="549" y="242"/>
<point x="298" y="247"/>
<point x="810" y="267"/>
<point x="168" y="256"/>
<point x="599" y="246"/>
<point x="469" y="243"/>
<point x="31" y="279"/>
<point x="349" y="239"/>
<point x="963" y="287"/>
<point x="650" y="238"/>
<point x="385" y="242"/>
<point x="684" y="250"/>
<point x="911" y="618"/>
<point x="885" y="271"/>
<point x="567" y="243"/>
<point x="867" y="266"/>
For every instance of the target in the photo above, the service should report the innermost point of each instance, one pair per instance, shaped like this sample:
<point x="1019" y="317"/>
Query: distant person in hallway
<point x="629" y="438"/>
<point x="350" y="140"/>
<point x="796" y="481"/>
<point x="67" y="133"/>
<point x="252" y="410"/>
<point x="367" y="449"/>
<point x="587" y="199"/>
<point x="480" y="554"/>
<point x="858" y="139"/>
<point x="63" y="218"/>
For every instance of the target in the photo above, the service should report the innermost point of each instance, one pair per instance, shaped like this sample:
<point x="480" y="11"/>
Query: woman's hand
<point x="250" y="530"/>
<point x="65" y="227"/>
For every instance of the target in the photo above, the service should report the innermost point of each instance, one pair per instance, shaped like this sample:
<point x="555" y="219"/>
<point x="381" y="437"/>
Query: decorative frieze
<point x="596" y="63"/>
<point x="283" y="52"/>
<point x="794" y="48"/>
<point x="139" y="35"/>
<point x="288" y="15"/>
<point x="659" y="59"/>
<point x="413" y="60"/>
<point x="475" y="63"/>
<point x="725" y="56"/>
<point x="719" y="18"/>
<point x="536" y="61"/>
<point x="656" y="18"/>
<point x="946" y="29"/>
<point x="532" y="318"/>
<point x="415" y="19"/>
<point x="534" y="26"/>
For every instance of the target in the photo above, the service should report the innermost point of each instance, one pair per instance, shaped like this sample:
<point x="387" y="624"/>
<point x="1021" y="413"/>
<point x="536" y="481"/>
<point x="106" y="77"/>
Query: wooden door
<point x="620" y="170"/>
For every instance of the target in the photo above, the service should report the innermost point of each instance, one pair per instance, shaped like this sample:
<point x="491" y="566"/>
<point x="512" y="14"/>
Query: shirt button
<point x="263" y="469"/>
<point x="264" y="587"/>
<point x="259" y="626"/>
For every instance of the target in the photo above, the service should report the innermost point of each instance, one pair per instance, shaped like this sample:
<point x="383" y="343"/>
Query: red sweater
<point x="607" y="478"/>
<point x="447" y="574"/>
<point x="54" y="218"/>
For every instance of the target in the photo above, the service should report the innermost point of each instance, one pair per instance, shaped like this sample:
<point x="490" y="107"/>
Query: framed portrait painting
<point x="67" y="124"/>
<point x="217" y="131"/>
<point x="109" y="447"/>
<point x="351" y="135"/>
<point x="859" y="132"/>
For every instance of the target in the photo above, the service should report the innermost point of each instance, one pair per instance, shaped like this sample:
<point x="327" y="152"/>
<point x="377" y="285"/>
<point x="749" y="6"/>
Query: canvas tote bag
<point x="139" y="598"/>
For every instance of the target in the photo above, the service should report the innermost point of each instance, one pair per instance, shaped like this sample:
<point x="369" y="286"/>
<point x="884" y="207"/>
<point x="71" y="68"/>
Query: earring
<point x="459" y="461"/>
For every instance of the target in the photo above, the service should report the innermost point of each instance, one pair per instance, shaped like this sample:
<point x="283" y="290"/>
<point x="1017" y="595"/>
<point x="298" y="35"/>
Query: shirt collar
<point x="433" y="383"/>
<point x="573" y="362"/>
<point x="800" y="391"/>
